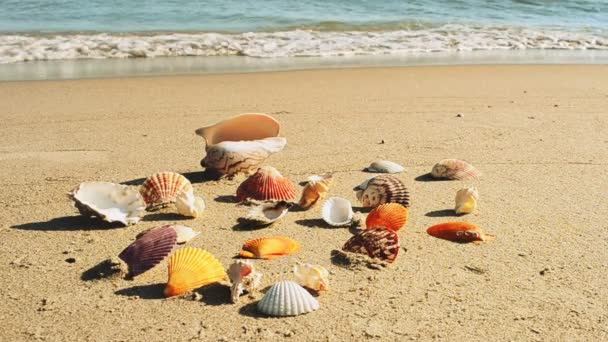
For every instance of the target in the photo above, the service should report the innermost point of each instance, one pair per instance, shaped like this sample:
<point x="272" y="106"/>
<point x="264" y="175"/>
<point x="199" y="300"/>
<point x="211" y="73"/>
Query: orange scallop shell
<point x="191" y="268"/>
<point x="162" y="188"/>
<point x="462" y="232"/>
<point x="392" y="216"/>
<point x="266" y="184"/>
<point x="269" y="247"/>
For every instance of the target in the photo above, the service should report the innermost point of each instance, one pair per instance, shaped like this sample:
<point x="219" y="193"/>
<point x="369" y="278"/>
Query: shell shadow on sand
<point x="70" y="223"/>
<point x="428" y="178"/>
<point x="193" y="177"/>
<point x="442" y="213"/>
<point x="153" y="291"/>
<point x="215" y="294"/>
<point x="107" y="269"/>
<point x="244" y="225"/>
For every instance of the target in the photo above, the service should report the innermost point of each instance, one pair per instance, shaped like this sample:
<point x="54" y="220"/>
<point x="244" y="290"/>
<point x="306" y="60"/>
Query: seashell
<point x="265" y="185"/>
<point x="316" y="189"/>
<point x="454" y="169"/>
<point x="189" y="205"/>
<point x="382" y="189"/>
<point x="149" y="249"/>
<point x="240" y="127"/>
<point x="466" y="200"/>
<point x="232" y="157"/>
<point x="162" y="188"/>
<point x="109" y="201"/>
<point x="244" y="277"/>
<point x="459" y="232"/>
<point x="315" y="277"/>
<point x="191" y="268"/>
<point x="185" y="234"/>
<point x="337" y="211"/>
<point x="286" y="298"/>
<point x="378" y="243"/>
<point x="384" y="166"/>
<point x="269" y="247"/>
<point x="268" y="213"/>
<point x="391" y="216"/>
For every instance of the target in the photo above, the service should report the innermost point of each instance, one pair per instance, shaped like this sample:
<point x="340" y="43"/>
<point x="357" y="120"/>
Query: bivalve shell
<point x="286" y="298"/>
<point x="454" y="169"/>
<point x="384" y="166"/>
<point x="391" y="216"/>
<point x="377" y="243"/>
<point x="268" y="213"/>
<point x="382" y="189"/>
<point x="269" y="247"/>
<point x="191" y="268"/>
<point x="162" y="188"/>
<point x="149" y="249"/>
<point x="265" y="185"/>
<point x="337" y="211"/>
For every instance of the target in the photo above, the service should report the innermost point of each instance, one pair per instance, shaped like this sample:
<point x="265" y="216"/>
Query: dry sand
<point x="538" y="133"/>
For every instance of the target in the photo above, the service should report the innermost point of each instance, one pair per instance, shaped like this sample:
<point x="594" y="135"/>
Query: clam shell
<point x="392" y="216"/>
<point x="337" y="211"/>
<point x="454" y="169"/>
<point x="315" y="190"/>
<point x="315" y="277"/>
<point x="191" y="268"/>
<point x="286" y="298"/>
<point x="269" y="247"/>
<point x="268" y="213"/>
<point x="265" y="185"/>
<point x="382" y="189"/>
<point x="109" y="201"/>
<point x="189" y="205"/>
<point x="377" y="243"/>
<point x="244" y="277"/>
<point x="384" y="166"/>
<point x="232" y="157"/>
<point x="162" y="188"/>
<point x="240" y="127"/>
<point x="466" y="200"/>
<point x="184" y="234"/>
<point x="149" y="249"/>
<point x="462" y="232"/>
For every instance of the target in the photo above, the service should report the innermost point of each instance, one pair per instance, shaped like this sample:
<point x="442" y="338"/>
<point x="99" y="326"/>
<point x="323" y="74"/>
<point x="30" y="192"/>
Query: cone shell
<point x="149" y="249"/>
<point x="392" y="216"/>
<point x="382" y="189"/>
<point x="384" y="166"/>
<point x="265" y="185"/>
<point x="242" y="127"/>
<point x="315" y="190"/>
<point x="454" y="169"/>
<point x="269" y="247"/>
<point x="191" y="268"/>
<point x="466" y="200"/>
<point x="337" y="211"/>
<point x="232" y="157"/>
<point x="462" y="232"/>
<point x="268" y="213"/>
<point x="287" y="298"/>
<point x="189" y="205"/>
<point x="162" y="188"/>
<point x="314" y="277"/>
<point x="244" y="277"/>
<point x="377" y="243"/>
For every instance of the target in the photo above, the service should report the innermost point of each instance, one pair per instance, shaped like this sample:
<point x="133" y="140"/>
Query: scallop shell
<point x="109" y="201"/>
<point x="244" y="277"/>
<point x="268" y="213"/>
<point x="466" y="200"/>
<point x="462" y="232"/>
<point x="377" y="243"/>
<point x="149" y="249"/>
<point x="265" y="185"/>
<point x="384" y="166"/>
<point x="315" y="277"/>
<point x="191" y="268"/>
<point x="189" y="205"/>
<point x="269" y="247"/>
<point x="162" y="188"/>
<point x="337" y="211"/>
<point x="454" y="169"/>
<point x="382" y="189"/>
<point x="240" y="127"/>
<point x="286" y="298"/>
<point x="392" y="216"/>
<point x="232" y="157"/>
<point x="315" y="189"/>
<point x="185" y="234"/>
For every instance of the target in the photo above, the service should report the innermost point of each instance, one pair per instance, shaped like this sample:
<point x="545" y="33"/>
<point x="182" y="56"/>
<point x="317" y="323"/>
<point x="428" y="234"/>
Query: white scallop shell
<point x="184" y="234"/>
<point x="315" y="277"/>
<point x="384" y="166"/>
<point x="466" y="200"/>
<point x="231" y="157"/>
<point x="109" y="201"/>
<point x="286" y="298"/>
<point x="268" y="213"/>
<point x="189" y="205"/>
<point x="240" y="283"/>
<point x="337" y="211"/>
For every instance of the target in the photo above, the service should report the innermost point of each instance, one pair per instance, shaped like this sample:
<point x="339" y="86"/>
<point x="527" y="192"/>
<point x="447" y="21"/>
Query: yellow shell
<point x="191" y="268"/>
<point x="269" y="247"/>
<point x="466" y="200"/>
<point x="315" y="277"/>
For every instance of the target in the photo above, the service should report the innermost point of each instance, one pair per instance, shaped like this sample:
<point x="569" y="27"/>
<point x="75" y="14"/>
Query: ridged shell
<point x="162" y="188"/>
<point x="286" y="298"/>
<point x="392" y="216"/>
<point x="191" y="268"/>
<point x="265" y="185"/>
<point x="315" y="190"/>
<point x="382" y="189"/>
<point x="269" y="247"/>
<point x="337" y="211"/>
<point x="268" y="213"/>
<point x="242" y="127"/>
<point x="454" y="169"/>
<point x="462" y="232"/>
<point x="466" y="200"/>
<point x="189" y="205"/>
<point x="149" y="249"/>
<point x="384" y="166"/>
<point x="315" y="277"/>
<point x="109" y="201"/>
<point x="378" y="243"/>
<point x="244" y="277"/>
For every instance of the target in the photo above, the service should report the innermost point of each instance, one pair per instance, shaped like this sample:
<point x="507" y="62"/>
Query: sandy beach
<point x="539" y="135"/>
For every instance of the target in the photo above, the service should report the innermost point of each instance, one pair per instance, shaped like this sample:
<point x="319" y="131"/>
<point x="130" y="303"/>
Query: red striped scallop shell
<point x="377" y="243"/>
<point x="392" y="216"/>
<point x="162" y="188"/>
<point x="454" y="169"/>
<point x="150" y="248"/>
<point x="265" y="185"/>
<point x="382" y="189"/>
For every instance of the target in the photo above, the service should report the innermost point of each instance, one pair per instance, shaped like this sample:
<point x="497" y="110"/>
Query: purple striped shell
<point x="149" y="249"/>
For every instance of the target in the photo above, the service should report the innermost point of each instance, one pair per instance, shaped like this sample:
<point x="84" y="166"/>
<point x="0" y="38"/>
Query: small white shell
<point x="244" y="277"/>
<point x="109" y="201"/>
<point x="286" y="298"/>
<point x="315" y="277"/>
<point x="384" y="166"/>
<point x="466" y="200"/>
<point x="337" y="211"/>
<point x="189" y="205"/>
<point x="268" y="213"/>
<point x="184" y="234"/>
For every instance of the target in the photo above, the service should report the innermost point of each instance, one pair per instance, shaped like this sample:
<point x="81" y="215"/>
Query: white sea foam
<point x="447" y="38"/>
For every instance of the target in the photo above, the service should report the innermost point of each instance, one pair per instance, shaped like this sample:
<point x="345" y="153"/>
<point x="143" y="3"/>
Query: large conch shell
<point x="382" y="189"/>
<point x="109" y="201"/>
<point x="268" y="213"/>
<point x="189" y="205"/>
<point x="266" y="184"/>
<point x="454" y="169"/>
<point x="315" y="190"/>
<point x="466" y="200"/>
<point x="287" y="298"/>
<point x="461" y="232"/>
<point x="244" y="277"/>
<point x="315" y="277"/>
<point x="241" y="143"/>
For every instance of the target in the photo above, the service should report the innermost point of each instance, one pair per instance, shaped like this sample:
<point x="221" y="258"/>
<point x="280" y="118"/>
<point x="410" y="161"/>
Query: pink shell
<point x="266" y="184"/>
<point x="149" y="249"/>
<point x="377" y="243"/>
<point x="454" y="169"/>
<point x="162" y="188"/>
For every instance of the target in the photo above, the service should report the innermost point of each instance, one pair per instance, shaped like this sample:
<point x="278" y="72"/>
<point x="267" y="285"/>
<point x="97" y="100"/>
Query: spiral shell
<point x="454" y="169"/>
<point x="314" y="277"/>
<point x="244" y="277"/>
<point x="315" y="190"/>
<point x="382" y="189"/>
<point x="189" y="205"/>
<point x="377" y="243"/>
<point x="286" y="298"/>
<point x="162" y="188"/>
<point x="265" y="185"/>
<point x="466" y="200"/>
